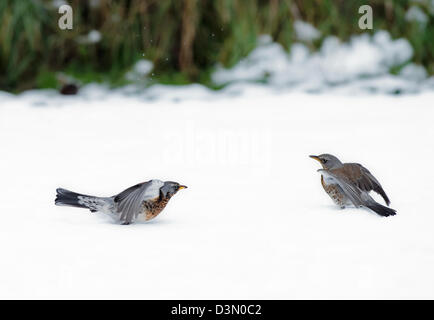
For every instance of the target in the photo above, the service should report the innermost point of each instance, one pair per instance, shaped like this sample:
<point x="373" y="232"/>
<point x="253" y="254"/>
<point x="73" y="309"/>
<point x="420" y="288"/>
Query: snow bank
<point x="343" y="67"/>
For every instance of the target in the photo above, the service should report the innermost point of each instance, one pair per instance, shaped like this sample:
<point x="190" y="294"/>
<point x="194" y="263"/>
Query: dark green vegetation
<point x="183" y="38"/>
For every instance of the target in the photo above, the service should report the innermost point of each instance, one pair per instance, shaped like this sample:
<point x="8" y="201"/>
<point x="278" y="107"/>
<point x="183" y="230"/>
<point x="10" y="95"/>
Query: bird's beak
<point x="316" y="158"/>
<point x="182" y="187"/>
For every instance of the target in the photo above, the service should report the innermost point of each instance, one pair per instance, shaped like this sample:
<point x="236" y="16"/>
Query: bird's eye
<point x="324" y="160"/>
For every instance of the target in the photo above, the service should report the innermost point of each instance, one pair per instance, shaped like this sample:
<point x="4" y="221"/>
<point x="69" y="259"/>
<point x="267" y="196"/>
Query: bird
<point x="69" y="86"/>
<point x="69" y="89"/>
<point x="348" y="183"/>
<point x="146" y="199"/>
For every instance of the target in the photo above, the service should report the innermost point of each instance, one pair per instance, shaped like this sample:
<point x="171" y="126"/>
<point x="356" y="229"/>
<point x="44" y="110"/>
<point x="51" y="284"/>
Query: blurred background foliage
<point x="184" y="39"/>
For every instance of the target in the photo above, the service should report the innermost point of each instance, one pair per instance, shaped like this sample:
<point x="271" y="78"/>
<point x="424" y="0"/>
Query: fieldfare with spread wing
<point x="146" y="199"/>
<point x="351" y="183"/>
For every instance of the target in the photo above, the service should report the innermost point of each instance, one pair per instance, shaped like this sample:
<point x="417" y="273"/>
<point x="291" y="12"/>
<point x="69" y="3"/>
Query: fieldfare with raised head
<point x="147" y="199"/>
<point x="351" y="183"/>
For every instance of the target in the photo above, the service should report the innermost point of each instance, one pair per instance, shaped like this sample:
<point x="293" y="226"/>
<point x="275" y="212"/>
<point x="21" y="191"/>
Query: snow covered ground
<point x="254" y="223"/>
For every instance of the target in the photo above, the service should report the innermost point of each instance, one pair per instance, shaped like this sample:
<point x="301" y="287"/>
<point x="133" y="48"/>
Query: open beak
<point x="316" y="158"/>
<point x="182" y="187"/>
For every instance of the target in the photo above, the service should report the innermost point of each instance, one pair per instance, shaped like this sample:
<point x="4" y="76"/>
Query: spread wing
<point x="129" y="202"/>
<point x="351" y="191"/>
<point x="361" y="177"/>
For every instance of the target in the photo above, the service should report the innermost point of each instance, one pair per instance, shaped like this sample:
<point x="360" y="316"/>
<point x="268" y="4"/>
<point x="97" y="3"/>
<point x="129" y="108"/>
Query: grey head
<point x="328" y="161"/>
<point x="170" y="188"/>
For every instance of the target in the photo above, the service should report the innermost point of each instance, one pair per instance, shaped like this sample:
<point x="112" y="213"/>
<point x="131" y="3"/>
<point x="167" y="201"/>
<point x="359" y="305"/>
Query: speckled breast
<point x="154" y="208"/>
<point x="337" y="196"/>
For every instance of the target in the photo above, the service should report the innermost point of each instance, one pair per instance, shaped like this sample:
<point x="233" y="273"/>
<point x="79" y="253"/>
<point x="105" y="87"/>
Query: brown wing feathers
<point x="362" y="178"/>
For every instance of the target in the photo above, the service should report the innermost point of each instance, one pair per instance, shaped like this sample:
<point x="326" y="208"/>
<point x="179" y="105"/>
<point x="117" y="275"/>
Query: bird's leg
<point x="125" y="223"/>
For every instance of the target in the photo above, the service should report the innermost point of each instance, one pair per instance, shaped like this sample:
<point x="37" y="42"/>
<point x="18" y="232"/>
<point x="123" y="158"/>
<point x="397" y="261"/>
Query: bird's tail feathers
<point x="68" y="198"/>
<point x="381" y="210"/>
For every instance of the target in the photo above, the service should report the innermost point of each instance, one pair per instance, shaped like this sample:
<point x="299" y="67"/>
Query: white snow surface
<point x="254" y="222"/>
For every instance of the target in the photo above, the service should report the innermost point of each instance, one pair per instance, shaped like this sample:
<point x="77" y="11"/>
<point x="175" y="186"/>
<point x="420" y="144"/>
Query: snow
<point x="141" y="68"/>
<point x="305" y="31"/>
<point x="414" y="72"/>
<point x="254" y="222"/>
<point x="337" y="67"/>
<point x="94" y="36"/>
<point x="417" y="14"/>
